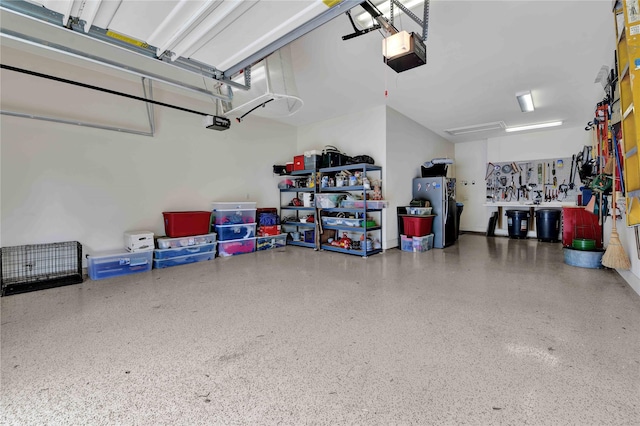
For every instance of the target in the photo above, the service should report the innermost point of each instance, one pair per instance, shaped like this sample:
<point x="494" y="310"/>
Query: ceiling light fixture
<point x="533" y="126"/>
<point x="484" y="127"/>
<point x="525" y="100"/>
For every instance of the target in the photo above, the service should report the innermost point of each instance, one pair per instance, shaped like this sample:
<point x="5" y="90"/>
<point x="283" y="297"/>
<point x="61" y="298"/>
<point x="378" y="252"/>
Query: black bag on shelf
<point x="332" y="157"/>
<point x="359" y="159"/>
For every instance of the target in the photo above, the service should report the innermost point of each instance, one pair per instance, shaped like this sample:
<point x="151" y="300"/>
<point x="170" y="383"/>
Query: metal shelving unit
<point x="299" y="211"/>
<point x="360" y="213"/>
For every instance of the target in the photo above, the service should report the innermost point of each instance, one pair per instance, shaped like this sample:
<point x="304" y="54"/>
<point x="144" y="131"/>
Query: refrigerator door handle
<point x="445" y="200"/>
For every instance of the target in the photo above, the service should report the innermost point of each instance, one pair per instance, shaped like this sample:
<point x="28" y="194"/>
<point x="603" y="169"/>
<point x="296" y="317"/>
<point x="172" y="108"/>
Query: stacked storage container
<point x="270" y="234"/>
<point x="136" y="257"/>
<point x="235" y="224"/>
<point x="188" y="239"/>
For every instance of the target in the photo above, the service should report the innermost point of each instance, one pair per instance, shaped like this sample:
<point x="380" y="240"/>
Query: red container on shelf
<point x="185" y="224"/>
<point x="298" y="162"/>
<point x="417" y="226"/>
<point x="289" y="167"/>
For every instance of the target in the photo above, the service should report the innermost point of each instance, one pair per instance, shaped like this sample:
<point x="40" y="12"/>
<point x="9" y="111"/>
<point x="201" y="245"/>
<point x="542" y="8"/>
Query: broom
<point x="615" y="257"/>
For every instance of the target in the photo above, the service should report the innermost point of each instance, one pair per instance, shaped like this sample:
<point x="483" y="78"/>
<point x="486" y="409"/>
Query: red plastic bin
<point x="185" y="224"/>
<point x="417" y="226"/>
<point x="298" y="162"/>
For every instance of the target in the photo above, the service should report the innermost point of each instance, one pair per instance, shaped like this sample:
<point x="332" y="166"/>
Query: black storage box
<point x="435" y="170"/>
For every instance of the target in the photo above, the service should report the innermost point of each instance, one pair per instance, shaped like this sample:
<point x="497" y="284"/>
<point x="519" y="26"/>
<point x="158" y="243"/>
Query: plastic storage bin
<point x="420" y="211"/>
<point x="298" y="162"/>
<point x="183" y="251"/>
<point x="271" y="242"/>
<point x="415" y="226"/>
<point x="359" y="204"/>
<point x="138" y="240"/>
<point x="233" y="205"/>
<point x="312" y="162"/>
<point x="406" y="243"/>
<point x="341" y="221"/>
<point x="193" y="240"/>
<point x="233" y="247"/>
<point x="236" y="232"/>
<point x="328" y="201"/>
<point x="421" y="244"/>
<point x="118" y="262"/>
<point x="183" y="260"/>
<point x="184" y="224"/>
<point x="233" y="212"/>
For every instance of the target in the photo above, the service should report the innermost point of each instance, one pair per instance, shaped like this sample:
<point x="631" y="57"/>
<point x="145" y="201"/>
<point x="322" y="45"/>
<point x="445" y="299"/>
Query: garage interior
<point x="489" y="330"/>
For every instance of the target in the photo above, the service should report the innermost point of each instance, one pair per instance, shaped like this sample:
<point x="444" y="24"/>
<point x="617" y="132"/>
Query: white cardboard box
<point x="138" y="240"/>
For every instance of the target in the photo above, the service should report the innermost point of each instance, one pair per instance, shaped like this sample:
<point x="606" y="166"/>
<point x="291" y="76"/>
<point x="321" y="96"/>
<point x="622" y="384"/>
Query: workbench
<point x="527" y="205"/>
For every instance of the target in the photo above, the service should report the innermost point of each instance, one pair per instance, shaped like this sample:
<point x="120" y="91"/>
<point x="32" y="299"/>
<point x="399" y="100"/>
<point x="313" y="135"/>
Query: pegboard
<point x="553" y="179"/>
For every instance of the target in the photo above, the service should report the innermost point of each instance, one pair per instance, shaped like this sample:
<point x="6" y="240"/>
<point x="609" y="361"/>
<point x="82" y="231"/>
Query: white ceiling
<point x="479" y="54"/>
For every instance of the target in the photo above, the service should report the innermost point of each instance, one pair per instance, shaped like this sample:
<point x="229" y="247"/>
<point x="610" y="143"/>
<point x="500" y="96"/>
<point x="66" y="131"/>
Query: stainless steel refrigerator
<point x="441" y="193"/>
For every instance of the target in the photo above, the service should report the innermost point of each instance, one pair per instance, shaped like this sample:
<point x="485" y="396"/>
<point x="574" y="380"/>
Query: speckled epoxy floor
<point x="490" y="331"/>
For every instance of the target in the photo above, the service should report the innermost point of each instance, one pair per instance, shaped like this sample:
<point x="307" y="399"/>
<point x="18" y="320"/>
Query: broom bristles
<point x="608" y="167"/>
<point x="615" y="257"/>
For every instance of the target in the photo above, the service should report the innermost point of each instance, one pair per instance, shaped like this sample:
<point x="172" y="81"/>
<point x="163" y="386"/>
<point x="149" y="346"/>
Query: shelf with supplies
<point x="350" y="222"/>
<point x="627" y="25"/>
<point x="297" y="193"/>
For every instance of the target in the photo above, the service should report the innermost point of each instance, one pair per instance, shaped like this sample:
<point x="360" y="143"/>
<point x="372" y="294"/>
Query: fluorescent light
<point x="525" y="100"/>
<point x="533" y="126"/>
<point x="484" y="127"/>
<point x="396" y="45"/>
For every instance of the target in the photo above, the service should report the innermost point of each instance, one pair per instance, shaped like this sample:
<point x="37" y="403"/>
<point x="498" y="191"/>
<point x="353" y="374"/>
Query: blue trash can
<point x="517" y="223"/>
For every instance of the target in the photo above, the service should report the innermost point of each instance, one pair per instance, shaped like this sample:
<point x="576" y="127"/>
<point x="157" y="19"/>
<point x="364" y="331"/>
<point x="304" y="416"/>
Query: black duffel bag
<point x="360" y="159"/>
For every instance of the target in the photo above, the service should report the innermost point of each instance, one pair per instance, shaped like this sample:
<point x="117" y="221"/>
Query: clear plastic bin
<point x="271" y="242"/>
<point x="341" y="221"/>
<point x="183" y="251"/>
<point x="421" y="211"/>
<point x="183" y="260"/>
<point x="234" y="247"/>
<point x="167" y="243"/>
<point x="118" y="262"/>
<point x="421" y="244"/>
<point x="406" y="243"/>
<point x="236" y="232"/>
<point x="233" y="205"/>
<point x="234" y="217"/>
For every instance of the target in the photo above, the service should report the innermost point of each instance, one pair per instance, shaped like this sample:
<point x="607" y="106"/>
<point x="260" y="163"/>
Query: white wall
<point x="471" y="161"/>
<point x="538" y="145"/>
<point x="61" y="182"/>
<point x="409" y="145"/>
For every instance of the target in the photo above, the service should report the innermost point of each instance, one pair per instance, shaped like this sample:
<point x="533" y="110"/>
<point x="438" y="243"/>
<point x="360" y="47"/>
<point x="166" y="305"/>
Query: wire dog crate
<point x="40" y="266"/>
